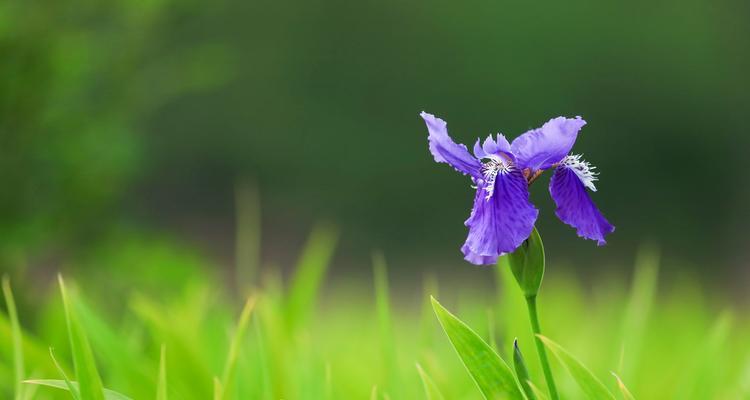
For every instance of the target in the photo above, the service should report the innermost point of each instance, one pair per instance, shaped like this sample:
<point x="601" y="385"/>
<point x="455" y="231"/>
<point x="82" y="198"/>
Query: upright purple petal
<point x="500" y="223"/>
<point x="574" y="206"/>
<point x="540" y="148"/>
<point x="445" y="150"/>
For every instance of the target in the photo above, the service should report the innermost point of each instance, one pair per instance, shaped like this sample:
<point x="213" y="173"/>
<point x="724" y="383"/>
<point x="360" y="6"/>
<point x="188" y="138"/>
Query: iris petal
<point x="542" y="147"/>
<point x="575" y="207"/>
<point x="500" y="224"/>
<point x="445" y="150"/>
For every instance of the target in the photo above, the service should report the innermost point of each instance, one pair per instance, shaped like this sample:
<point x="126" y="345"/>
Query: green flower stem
<point x="531" y="304"/>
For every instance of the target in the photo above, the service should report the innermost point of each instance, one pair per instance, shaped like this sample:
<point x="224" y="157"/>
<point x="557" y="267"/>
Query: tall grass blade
<point x="309" y="274"/>
<point x="589" y="384"/>
<point x="521" y="371"/>
<point x="248" y="234"/>
<point x="491" y="374"/>
<point x="17" y="339"/>
<point x="385" y="324"/>
<point x="66" y="385"/>
<point x="234" y="347"/>
<point x="626" y="395"/>
<point x="161" y="384"/>
<point x="430" y="389"/>
<point x="638" y="309"/>
<point x="539" y="393"/>
<point x="90" y="383"/>
<point x="73" y="389"/>
<point x="218" y="390"/>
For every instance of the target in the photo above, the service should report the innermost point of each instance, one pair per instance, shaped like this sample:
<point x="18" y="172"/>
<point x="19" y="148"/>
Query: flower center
<point x="490" y="169"/>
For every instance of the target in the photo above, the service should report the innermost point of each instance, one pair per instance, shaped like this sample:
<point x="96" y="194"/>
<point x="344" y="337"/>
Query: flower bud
<point x="527" y="264"/>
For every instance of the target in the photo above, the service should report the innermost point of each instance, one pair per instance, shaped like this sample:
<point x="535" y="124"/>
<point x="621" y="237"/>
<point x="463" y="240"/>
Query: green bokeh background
<point x="141" y="117"/>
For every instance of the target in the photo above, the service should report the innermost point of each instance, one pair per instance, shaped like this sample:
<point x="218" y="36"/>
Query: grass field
<point x="166" y="328"/>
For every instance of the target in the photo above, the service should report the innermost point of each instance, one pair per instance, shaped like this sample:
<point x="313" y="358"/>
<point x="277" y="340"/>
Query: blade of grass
<point x="15" y="326"/>
<point x="589" y="384"/>
<point x="161" y="386"/>
<point x="309" y="273"/>
<point x="490" y="372"/>
<point x="66" y="385"/>
<point x="69" y="385"/>
<point x="626" y="395"/>
<point x="521" y="372"/>
<point x="383" y="306"/>
<point x="218" y="390"/>
<point x="539" y="393"/>
<point x="234" y="347"/>
<point x="638" y="309"/>
<point x="248" y="236"/>
<point x="83" y="358"/>
<point x="431" y="390"/>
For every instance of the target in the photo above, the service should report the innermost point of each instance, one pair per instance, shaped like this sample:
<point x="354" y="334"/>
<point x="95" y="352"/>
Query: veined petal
<point x="445" y="150"/>
<point x="496" y="146"/>
<point x="575" y="207"/>
<point x="540" y="148"/>
<point x="500" y="223"/>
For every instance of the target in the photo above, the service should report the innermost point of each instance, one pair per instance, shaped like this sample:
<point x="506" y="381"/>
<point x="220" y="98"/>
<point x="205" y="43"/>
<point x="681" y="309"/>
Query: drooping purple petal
<point x="500" y="223"/>
<point x="540" y="148"/>
<point x="575" y="207"/>
<point x="445" y="150"/>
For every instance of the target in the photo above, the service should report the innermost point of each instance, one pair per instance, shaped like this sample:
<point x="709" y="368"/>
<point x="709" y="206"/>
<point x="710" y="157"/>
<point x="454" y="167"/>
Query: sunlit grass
<point x="304" y="340"/>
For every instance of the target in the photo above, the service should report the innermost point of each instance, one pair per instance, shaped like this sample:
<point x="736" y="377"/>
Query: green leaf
<point x="591" y="386"/>
<point x="61" y="384"/>
<point x="430" y="389"/>
<point x="90" y="383"/>
<point x="539" y="393"/>
<point x="234" y="347"/>
<point x="385" y="328"/>
<point x="626" y="395"/>
<point x="491" y="374"/>
<point x="15" y="327"/>
<point x="72" y="389"/>
<point x="521" y="372"/>
<point x="527" y="264"/>
<point x="161" y="385"/>
<point x="309" y="273"/>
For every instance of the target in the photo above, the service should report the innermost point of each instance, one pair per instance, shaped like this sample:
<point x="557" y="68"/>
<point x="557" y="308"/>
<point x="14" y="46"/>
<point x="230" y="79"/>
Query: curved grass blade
<point x="234" y="347"/>
<point x="539" y="393"/>
<point x="15" y="328"/>
<point x="626" y="395"/>
<point x="430" y="389"/>
<point x="385" y="325"/>
<point x="161" y="386"/>
<point x="309" y="273"/>
<point x="69" y="385"/>
<point x="591" y="386"/>
<point x="491" y="374"/>
<point x="61" y="384"/>
<point x="90" y="383"/>
<point x="521" y="372"/>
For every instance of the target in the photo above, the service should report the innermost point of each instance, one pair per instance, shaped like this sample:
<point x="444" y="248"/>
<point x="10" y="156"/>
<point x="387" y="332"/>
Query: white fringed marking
<point x="583" y="169"/>
<point x="490" y="169"/>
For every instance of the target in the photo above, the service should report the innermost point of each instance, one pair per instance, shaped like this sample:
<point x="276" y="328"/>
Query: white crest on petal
<point x="583" y="169"/>
<point x="490" y="169"/>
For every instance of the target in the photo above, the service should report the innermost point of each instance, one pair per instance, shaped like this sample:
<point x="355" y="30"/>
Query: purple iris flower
<point x="502" y="216"/>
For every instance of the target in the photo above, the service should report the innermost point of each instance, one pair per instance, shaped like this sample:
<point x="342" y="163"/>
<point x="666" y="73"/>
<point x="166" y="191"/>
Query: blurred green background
<point x="133" y="122"/>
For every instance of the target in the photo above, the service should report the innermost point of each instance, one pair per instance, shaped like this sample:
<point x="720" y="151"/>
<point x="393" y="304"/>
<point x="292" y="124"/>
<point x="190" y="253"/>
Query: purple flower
<point x="502" y="216"/>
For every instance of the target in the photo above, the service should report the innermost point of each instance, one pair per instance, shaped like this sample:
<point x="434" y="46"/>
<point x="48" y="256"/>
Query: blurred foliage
<point x="352" y="337"/>
<point x="104" y="115"/>
<point x="325" y="115"/>
<point x="77" y="80"/>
